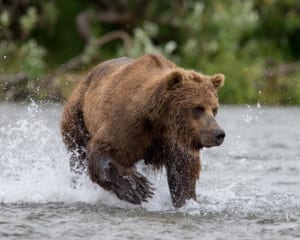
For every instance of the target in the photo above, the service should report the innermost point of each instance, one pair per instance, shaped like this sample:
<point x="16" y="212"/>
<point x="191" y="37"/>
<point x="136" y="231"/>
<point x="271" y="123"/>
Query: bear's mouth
<point x="197" y="145"/>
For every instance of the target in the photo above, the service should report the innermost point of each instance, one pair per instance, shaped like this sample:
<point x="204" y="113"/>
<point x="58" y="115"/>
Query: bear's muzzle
<point x="219" y="136"/>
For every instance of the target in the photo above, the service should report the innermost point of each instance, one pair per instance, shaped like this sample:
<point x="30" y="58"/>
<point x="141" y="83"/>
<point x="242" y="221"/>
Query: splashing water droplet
<point x="258" y="105"/>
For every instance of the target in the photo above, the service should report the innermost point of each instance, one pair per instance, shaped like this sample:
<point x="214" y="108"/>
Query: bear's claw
<point x="132" y="187"/>
<point x="126" y="183"/>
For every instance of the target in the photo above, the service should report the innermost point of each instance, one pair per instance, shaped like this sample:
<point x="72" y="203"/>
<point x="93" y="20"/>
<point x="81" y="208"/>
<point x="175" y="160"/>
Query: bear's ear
<point x="218" y="80"/>
<point x="174" y="79"/>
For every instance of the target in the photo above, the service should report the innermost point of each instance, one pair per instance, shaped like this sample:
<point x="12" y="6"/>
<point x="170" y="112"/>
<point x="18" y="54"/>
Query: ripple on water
<point x="248" y="188"/>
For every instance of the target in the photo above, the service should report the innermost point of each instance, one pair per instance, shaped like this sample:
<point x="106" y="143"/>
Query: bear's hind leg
<point x="75" y="135"/>
<point x="126" y="183"/>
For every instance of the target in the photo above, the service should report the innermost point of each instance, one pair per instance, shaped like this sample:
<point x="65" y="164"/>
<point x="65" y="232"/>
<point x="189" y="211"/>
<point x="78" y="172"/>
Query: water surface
<point x="249" y="186"/>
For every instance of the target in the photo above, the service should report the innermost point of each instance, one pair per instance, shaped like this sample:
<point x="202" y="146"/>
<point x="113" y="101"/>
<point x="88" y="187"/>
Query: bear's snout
<point x="219" y="136"/>
<point x="212" y="137"/>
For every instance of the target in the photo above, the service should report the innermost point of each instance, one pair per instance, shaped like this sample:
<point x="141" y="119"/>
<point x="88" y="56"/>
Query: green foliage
<point x="50" y="13"/>
<point x="5" y="19"/>
<point x="32" y="57"/>
<point x="143" y="44"/>
<point x="28" y="58"/>
<point x="215" y="45"/>
<point x="29" y="20"/>
<point x="243" y="39"/>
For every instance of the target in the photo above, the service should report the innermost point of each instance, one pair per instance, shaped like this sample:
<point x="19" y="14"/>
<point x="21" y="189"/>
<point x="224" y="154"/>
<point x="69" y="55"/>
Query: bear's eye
<point x="198" y="111"/>
<point x="215" y="111"/>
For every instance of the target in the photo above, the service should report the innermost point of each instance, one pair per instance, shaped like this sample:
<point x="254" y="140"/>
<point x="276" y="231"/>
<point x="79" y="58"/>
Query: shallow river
<point x="249" y="187"/>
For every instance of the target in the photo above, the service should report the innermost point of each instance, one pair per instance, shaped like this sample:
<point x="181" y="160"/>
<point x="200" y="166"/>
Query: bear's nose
<point x="219" y="136"/>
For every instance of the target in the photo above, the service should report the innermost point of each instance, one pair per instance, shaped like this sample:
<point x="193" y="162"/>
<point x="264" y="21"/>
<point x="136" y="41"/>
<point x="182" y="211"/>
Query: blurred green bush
<point x="255" y="43"/>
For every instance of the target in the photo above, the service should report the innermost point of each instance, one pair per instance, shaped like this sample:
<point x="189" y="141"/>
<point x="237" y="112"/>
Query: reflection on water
<point x="249" y="187"/>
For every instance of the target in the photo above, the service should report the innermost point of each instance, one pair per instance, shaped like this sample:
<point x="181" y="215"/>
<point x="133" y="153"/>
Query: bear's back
<point x="121" y="87"/>
<point x="105" y="68"/>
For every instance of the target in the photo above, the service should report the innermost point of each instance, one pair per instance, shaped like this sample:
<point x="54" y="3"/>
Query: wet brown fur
<point x="127" y="110"/>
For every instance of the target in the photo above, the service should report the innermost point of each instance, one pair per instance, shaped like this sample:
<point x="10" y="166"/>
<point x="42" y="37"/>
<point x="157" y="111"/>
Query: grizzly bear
<point x="128" y="110"/>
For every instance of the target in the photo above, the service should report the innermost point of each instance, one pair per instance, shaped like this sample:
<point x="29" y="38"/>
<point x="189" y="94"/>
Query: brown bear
<point x="148" y="108"/>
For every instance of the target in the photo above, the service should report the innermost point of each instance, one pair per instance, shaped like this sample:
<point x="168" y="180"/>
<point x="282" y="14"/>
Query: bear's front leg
<point x="182" y="167"/>
<point x="126" y="183"/>
<point x="182" y="172"/>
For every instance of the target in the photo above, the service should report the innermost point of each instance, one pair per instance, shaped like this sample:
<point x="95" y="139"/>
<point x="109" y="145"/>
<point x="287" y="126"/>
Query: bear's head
<point x="191" y="107"/>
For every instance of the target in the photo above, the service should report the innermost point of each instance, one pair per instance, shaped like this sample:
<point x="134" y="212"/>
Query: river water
<point x="249" y="187"/>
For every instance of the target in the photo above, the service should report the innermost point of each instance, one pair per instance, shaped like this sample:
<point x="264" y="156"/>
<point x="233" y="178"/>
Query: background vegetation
<point x="46" y="46"/>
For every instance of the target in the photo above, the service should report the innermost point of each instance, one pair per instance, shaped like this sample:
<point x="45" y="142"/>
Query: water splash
<point x="34" y="165"/>
<point x="34" y="168"/>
